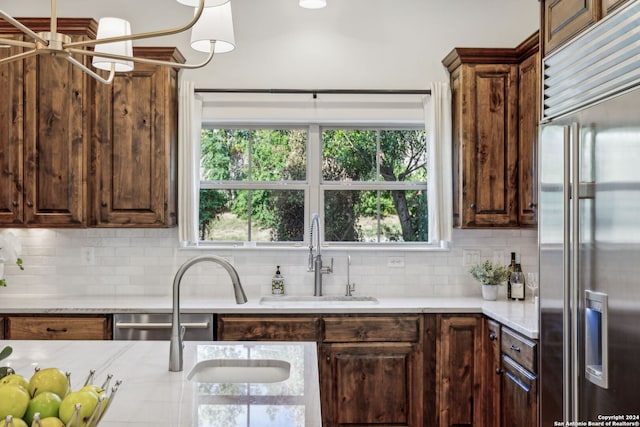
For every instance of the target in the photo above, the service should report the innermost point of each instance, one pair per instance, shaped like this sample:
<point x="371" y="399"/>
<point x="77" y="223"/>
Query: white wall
<point x="386" y="44"/>
<point x="352" y="44"/>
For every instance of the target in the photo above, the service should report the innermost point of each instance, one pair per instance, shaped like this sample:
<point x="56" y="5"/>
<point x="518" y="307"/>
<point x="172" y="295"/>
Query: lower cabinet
<point x="458" y="371"/>
<point x="1" y="328"/>
<point x="58" y="328"/>
<point x="370" y="371"/>
<point x="491" y="373"/>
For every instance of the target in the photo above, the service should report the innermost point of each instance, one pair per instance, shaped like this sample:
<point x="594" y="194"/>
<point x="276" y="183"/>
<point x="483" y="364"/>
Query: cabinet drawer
<point x="58" y="328"/>
<point x="372" y="329"/>
<point x="260" y="328"/>
<point x="520" y="349"/>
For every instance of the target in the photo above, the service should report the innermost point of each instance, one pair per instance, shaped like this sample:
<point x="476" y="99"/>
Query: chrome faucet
<point x="177" y="332"/>
<point x="351" y="287"/>
<point x="315" y="261"/>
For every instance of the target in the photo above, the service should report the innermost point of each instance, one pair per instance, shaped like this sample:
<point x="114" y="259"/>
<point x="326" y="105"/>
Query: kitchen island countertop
<point x="150" y="395"/>
<point x="522" y="316"/>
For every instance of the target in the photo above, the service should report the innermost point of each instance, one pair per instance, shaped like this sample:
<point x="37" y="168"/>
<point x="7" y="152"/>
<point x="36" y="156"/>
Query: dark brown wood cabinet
<point x="46" y="123"/>
<point x="69" y="327"/>
<point x="134" y="145"/>
<point x="370" y="371"/>
<point x="370" y="365"/>
<point x="494" y="122"/>
<point x="458" y="371"/>
<point x="1" y="328"/>
<point x="519" y="384"/>
<point x="491" y="373"/>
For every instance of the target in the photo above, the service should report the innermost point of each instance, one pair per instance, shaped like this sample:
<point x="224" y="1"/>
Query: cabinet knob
<point x="499" y="371"/>
<point x="328" y="359"/>
<point x="472" y="206"/>
<point x="15" y="204"/>
<point x="104" y="204"/>
<point x="514" y="348"/>
<point x="532" y="205"/>
<point x="493" y="336"/>
<point x="29" y="204"/>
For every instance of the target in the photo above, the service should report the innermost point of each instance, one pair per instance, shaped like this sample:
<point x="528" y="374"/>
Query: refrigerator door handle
<point x="566" y="265"/>
<point x="574" y="282"/>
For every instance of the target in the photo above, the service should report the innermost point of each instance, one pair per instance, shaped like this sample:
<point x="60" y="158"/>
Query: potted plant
<point x="490" y="275"/>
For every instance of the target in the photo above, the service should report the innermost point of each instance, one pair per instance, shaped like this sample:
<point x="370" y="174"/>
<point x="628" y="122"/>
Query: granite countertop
<point x="150" y="395"/>
<point x="521" y="316"/>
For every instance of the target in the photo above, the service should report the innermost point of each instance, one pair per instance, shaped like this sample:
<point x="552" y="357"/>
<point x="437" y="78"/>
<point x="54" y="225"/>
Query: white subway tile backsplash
<point x="144" y="261"/>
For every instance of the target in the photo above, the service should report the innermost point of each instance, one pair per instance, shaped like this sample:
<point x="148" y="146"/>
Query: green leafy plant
<point x="489" y="273"/>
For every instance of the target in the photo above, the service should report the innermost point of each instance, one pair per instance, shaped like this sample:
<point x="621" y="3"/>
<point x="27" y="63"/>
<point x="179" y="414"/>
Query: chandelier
<point x="112" y="50"/>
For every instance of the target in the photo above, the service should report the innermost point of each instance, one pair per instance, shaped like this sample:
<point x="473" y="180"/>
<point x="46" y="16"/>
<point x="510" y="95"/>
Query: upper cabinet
<point x="564" y="19"/>
<point x="134" y="145"/>
<point x="45" y="125"/>
<point x="495" y="106"/>
<point x="78" y="153"/>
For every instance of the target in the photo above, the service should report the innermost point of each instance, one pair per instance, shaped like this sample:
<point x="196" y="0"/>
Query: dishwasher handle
<point x="160" y="325"/>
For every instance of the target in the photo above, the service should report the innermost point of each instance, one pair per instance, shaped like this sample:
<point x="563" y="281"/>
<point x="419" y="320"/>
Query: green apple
<point x="87" y="399"/>
<point x="14" y="400"/>
<point x="94" y="389"/>
<point x="51" y="422"/>
<point x="47" y="403"/>
<point x="15" y="379"/>
<point x="49" y="379"/>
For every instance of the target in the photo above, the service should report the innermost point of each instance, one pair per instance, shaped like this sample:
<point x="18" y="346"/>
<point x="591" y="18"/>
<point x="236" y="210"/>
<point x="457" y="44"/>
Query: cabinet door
<point x="367" y="384"/>
<point x="519" y="395"/>
<point x="58" y="328"/>
<point x="11" y="135"/>
<point x="458" y="371"/>
<point x="528" y="117"/>
<point x="488" y="148"/>
<point x="55" y="132"/>
<point x="491" y="373"/>
<point x="609" y="6"/>
<point x="1" y="328"/>
<point x="134" y="145"/>
<point x="563" y="19"/>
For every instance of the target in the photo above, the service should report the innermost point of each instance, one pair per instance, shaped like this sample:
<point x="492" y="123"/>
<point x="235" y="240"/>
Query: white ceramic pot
<point x="490" y="292"/>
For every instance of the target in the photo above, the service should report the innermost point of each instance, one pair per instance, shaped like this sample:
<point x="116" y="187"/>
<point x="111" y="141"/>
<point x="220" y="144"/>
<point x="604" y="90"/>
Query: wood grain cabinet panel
<point x="564" y="19"/>
<point x="1" y="328"/>
<point x="371" y="329"/>
<point x="458" y="371"/>
<point x="367" y="385"/>
<point x="608" y="6"/>
<point x="495" y="111"/>
<point x="491" y="371"/>
<point x="263" y="328"/>
<point x="134" y="145"/>
<point x="519" y="395"/>
<point x="58" y="328"/>
<point x="49" y="124"/>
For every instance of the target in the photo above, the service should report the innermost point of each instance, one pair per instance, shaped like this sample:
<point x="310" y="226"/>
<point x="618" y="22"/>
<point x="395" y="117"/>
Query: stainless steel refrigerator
<point x="589" y="226"/>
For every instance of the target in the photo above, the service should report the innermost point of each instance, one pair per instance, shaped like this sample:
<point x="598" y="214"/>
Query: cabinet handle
<point x="104" y="204"/>
<point x="472" y="206"/>
<point x="499" y="371"/>
<point x="532" y="205"/>
<point x="15" y="204"/>
<point x="328" y="359"/>
<point x="514" y="348"/>
<point x="57" y="329"/>
<point x="493" y="336"/>
<point x="29" y="204"/>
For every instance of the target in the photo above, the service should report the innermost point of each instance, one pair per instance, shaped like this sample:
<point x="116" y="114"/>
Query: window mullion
<point x="314" y="175"/>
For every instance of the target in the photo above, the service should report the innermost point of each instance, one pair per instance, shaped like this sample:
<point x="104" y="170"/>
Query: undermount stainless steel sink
<point x="227" y="371"/>
<point x="322" y="300"/>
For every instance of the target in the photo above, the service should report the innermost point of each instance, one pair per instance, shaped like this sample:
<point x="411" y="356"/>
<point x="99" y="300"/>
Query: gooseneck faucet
<point x="315" y="261"/>
<point x="175" y="347"/>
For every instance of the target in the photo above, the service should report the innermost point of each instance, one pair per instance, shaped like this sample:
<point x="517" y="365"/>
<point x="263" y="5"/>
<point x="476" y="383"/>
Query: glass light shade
<point x="113" y="27"/>
<point x="207" y="3"/>
<point x="313" y="4"/>
<point x="216" y="23"/>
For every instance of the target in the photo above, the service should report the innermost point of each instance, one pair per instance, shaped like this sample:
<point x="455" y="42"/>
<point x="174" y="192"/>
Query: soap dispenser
<point x="277" y="283"/>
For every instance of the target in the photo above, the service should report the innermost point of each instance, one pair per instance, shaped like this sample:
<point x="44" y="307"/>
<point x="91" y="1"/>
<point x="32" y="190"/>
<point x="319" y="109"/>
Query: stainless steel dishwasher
<point x="157" y="326"/>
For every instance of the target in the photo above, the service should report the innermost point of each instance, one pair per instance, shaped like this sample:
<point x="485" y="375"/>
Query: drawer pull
<point x="499" y="371"/>
<point x="56" y="330"/>
<point x="514" y="348"/>
<point x="493" y="336"/>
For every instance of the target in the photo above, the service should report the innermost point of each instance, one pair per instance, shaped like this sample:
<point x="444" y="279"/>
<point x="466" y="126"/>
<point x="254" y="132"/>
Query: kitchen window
<point x="254" y="167"/>
<point x="259" y="184"/>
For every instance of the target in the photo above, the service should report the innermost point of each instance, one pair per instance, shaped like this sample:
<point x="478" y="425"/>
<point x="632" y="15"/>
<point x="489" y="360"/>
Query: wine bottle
<point x="512" y="268"/>
<point x="517" y="288"/>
